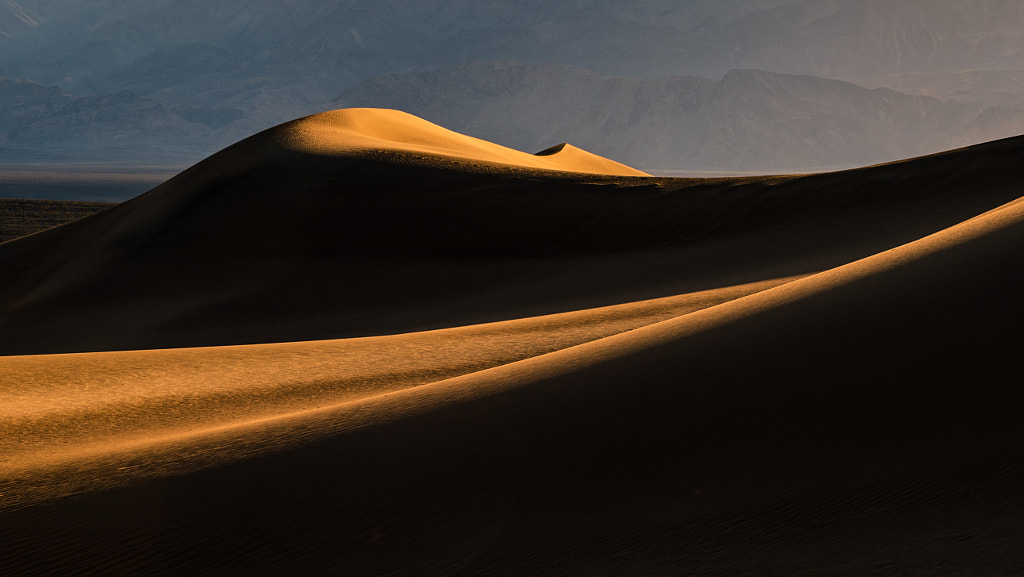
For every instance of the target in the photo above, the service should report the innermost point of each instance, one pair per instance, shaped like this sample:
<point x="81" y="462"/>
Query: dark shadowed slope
<point x="374" y="222"/>
<point x="862" y="420"/>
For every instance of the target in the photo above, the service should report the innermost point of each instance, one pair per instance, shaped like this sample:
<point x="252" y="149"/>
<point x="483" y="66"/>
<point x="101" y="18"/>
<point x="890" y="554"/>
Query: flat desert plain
<point x="359" y="344"/>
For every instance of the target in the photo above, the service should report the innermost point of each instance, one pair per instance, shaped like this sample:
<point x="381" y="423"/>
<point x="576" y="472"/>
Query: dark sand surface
<point x="21" y="217"/>
<point x="854" y="412"/>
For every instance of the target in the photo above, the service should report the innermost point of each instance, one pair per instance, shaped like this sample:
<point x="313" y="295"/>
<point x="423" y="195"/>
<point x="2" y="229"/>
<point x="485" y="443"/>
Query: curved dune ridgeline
<point x="368" y="129"/>
<point x="93" y="406"/>
<point x="324" y="228"/>
<point x="361" y="344"/>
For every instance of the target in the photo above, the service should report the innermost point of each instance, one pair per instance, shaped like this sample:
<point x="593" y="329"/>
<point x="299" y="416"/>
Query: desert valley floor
<point x="360" y="344"/>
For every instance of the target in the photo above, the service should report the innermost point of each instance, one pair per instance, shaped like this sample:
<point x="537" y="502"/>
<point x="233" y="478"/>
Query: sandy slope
<point x="268" y="241"/>
<point x="862" y="419"/>
<point x="369" y="129"/>
<point x="76" y="410"/>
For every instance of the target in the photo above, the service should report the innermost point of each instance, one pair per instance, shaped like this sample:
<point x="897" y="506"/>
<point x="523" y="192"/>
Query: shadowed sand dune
<point x="823" y="380"/>
<point x="282" y="238"/>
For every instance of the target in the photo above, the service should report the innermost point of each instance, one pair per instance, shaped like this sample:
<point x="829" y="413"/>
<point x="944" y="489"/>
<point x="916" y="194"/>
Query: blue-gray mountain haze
<point x="659" y="84"/>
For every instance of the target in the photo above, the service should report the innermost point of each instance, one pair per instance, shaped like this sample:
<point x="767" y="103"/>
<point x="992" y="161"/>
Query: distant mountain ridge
<point x="206" y="74"/>
<point x="35" y="115"/>
<point x="747" y="120"/>
<point x="335" y="43"/>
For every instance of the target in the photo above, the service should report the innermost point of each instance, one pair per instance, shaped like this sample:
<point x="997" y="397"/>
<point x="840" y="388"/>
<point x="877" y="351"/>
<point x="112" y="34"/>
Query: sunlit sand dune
<point x="789" y="375"/>
<point x="370" y="130"/>
<point x="268" y="241"/>
<point x="66" y="410"/>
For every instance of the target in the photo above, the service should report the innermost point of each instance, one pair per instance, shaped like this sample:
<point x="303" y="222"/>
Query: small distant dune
<point x="358" y="343"/>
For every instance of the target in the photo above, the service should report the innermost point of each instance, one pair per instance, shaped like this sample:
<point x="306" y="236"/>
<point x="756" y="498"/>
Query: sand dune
<point x="856" y="413"/>
<point x="69" y="410"/>
<point x="371" y="130"/>
<point x="266" y="243"/>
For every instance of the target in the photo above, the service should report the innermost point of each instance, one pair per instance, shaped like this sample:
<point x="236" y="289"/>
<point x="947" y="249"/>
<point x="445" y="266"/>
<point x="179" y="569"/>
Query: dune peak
<point x="362" y="130"/>
<point x="552" y="150"/>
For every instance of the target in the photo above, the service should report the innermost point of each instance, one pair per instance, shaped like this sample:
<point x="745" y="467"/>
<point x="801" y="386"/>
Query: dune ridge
<point x="518" y="384"/>
<point x="265" y="243"/>
<point x="797" y="375"/>
<point x="371" y="129"/>
<point x="62" y="409"/>
<point x="383" y="368"/>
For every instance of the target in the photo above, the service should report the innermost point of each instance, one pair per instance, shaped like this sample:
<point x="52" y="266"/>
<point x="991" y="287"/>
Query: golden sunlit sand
<point x="74" y="408"/>
<point x="361" y="344"/>
<point x="364" y="130"/>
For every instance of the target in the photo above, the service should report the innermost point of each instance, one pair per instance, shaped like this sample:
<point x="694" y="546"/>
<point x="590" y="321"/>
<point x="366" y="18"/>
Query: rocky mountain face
<point x="841" y="38"/>
<point x="32" y="115"/>
<point x="748" y="120"/>
<point x="994" y="87"/>
<point x="201" y="74"/>
<point x="103" y="45"/>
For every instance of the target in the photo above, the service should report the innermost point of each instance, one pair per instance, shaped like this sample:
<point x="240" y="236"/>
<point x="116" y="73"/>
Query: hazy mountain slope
<point x="32" y="115"/>
<point x="992" y="87"/>
<point x="845" y="37"/>
<point x="747" y="120"/>
<point x="35" y="31"/>
<point x="272" y="61"/>
<point x="341" y="41"/>
<point x="102" y="46"/>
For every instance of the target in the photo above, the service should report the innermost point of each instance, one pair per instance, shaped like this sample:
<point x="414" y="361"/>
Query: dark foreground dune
<point x="854" y="411"/>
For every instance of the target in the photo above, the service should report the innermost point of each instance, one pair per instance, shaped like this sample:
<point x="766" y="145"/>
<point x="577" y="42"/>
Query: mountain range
<point x="747" y="120"/>
<point x="199" y="76"/>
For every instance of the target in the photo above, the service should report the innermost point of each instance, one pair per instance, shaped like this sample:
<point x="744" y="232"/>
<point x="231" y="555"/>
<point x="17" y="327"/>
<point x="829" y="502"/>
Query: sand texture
<point x="360" y="344"/>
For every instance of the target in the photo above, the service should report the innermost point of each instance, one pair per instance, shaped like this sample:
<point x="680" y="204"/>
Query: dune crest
<point x="71" y="408"/>
<point x="411" y="396"/>
<point x="372" y="129"/>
